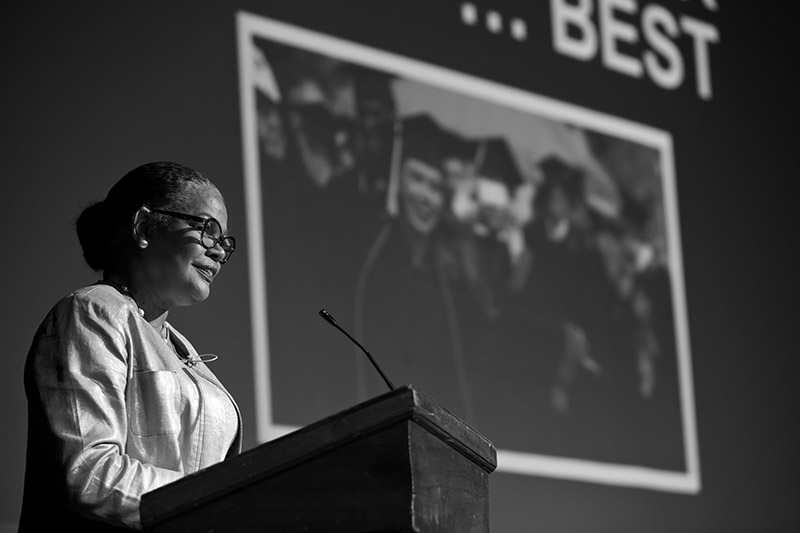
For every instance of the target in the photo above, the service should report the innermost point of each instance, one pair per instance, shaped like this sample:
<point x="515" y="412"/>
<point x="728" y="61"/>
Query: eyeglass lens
<point x="212" y="234"/>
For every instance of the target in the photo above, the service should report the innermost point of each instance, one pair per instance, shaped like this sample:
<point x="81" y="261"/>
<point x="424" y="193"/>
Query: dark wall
<point x="89" y="91"/>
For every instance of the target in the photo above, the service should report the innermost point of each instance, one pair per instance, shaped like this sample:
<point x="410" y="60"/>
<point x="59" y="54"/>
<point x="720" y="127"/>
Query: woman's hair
<point x="160" y="184"/>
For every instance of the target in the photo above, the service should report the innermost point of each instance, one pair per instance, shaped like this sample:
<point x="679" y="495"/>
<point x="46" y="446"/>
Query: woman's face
<point x="176" y="269"/>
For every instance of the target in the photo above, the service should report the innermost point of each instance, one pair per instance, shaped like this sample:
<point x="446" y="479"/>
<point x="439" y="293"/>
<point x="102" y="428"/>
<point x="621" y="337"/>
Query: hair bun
<point x="103" y="226"/>
<point x="95" y="233"/>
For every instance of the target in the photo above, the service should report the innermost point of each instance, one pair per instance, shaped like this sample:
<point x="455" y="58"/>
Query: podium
<point x="397" y="463"/>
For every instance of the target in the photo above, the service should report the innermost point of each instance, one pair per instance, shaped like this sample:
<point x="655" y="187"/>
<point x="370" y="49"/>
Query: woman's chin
<point x="199" y="293"/>
<point x="202" y="294"/>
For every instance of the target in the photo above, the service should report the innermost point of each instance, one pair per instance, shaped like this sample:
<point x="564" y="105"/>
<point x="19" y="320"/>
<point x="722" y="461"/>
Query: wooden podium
<point x="398" y="462"/>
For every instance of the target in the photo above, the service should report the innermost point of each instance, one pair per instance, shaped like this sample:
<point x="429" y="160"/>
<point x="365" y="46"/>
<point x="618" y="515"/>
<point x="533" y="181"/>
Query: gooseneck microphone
<point x="332" y="321"/>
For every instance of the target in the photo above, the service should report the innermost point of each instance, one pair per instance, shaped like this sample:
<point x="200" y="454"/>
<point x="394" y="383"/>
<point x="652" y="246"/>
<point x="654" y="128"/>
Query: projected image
<point x="513" y="257"/>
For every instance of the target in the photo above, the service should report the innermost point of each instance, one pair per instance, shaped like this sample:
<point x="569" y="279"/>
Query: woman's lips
<point x="207" y="272"/>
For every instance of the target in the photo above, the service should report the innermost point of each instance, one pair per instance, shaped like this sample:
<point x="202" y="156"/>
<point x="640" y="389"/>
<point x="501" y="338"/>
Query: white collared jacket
<point x="113" y="413"/>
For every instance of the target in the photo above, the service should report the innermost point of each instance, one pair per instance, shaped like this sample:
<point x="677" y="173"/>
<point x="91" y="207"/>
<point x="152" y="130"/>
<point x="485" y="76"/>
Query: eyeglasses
<point x="210" y="233"/>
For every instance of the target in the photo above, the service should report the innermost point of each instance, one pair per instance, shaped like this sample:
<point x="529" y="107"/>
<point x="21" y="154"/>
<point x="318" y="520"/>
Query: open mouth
<point x="207" y="273"/>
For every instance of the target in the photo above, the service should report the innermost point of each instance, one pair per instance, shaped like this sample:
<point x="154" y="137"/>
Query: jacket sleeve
<point x="80" y="372"/>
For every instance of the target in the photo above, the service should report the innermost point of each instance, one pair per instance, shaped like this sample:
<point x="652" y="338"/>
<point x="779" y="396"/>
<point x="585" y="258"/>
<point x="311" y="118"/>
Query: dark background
<point x="91" y="90"/>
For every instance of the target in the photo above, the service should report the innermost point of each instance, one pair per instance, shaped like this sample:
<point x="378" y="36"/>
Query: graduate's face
<point x="421" y="194"/>
<point x="558" y="205"/>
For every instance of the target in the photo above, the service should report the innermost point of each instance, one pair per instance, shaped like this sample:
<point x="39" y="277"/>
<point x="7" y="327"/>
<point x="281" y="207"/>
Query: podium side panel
<point x="450" y="491"/>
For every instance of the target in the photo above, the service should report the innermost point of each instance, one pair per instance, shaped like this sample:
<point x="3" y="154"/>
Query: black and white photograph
<point x="514" y="257"/>
<point x="436" y="266"/>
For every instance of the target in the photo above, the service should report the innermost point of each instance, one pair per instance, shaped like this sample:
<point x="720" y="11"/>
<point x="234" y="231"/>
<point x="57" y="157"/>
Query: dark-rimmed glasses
<point x="210" y="232"/>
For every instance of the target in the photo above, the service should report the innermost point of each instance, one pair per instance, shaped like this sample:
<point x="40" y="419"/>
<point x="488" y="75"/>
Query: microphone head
<point x="327" y="316"/>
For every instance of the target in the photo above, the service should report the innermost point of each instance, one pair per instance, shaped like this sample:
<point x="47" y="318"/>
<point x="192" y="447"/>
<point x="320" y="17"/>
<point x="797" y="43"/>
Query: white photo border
<point x="250" y="25"/>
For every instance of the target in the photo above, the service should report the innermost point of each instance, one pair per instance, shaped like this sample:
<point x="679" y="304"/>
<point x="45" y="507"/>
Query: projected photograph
<point x="514" y="257"/>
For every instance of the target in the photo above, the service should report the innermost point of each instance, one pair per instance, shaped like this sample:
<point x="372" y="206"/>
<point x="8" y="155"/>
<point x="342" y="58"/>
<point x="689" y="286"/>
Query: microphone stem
<point x="327" y="316"/>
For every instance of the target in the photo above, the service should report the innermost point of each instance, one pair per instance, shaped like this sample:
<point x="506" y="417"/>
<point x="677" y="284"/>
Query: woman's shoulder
<point x="98" y="297"/>
<point x="86" y="309"/>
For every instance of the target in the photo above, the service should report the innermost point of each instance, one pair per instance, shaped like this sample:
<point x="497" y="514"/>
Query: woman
<point x="119" y="402"/>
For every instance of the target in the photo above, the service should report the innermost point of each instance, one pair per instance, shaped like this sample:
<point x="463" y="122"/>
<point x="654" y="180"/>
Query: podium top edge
<point x="404" y="402"/>
<point x="381" y="412"/>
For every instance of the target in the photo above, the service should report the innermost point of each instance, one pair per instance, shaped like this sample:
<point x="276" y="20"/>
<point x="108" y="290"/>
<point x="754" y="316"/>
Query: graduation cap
<point x="374" y="88"/>
<point x="495" y="161"/>
<point x="458" y="155"/>
<point x="457" y="146"/>
<point x="422" y="139"/>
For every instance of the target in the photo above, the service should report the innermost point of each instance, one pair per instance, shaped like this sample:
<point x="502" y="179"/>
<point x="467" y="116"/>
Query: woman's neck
<point x="152" y="313"/>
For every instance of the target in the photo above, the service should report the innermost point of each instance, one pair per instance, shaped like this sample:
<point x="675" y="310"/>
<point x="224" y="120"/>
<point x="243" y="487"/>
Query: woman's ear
<point x="141" y="224"/>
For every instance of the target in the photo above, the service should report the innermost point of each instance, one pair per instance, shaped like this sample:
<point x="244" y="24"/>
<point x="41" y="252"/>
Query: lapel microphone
<point x="332" y="321"/>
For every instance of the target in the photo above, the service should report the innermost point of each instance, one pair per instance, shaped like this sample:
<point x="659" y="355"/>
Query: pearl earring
<point x="143" y="243"/>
